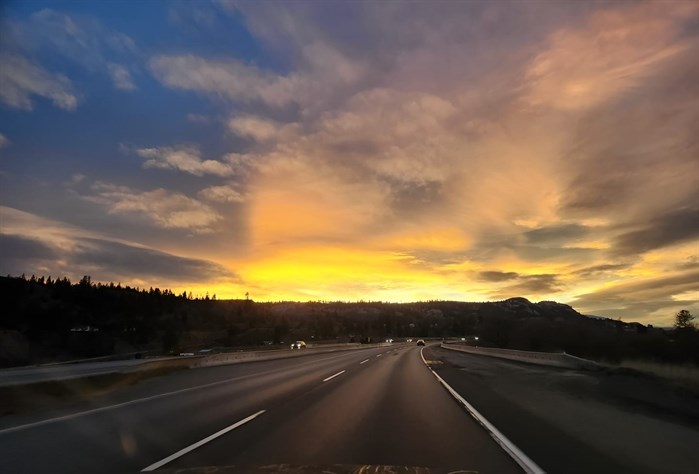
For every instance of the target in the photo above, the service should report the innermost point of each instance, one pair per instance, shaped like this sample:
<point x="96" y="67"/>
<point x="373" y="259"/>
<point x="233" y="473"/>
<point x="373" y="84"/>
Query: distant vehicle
<point x="298" y="345"/>
<point x="420" y="342"/>
<point x="408" y="340"/>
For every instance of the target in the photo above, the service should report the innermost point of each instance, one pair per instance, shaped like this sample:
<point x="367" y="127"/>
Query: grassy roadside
<point x="18" y="399"/>
<point x="683" y="375"/>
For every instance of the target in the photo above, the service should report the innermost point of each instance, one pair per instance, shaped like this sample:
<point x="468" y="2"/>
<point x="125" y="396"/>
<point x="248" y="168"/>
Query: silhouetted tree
<point x="684" y="320"/>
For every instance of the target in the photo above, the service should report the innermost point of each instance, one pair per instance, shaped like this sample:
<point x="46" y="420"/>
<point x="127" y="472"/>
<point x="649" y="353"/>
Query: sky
<point x="373" y="151"/>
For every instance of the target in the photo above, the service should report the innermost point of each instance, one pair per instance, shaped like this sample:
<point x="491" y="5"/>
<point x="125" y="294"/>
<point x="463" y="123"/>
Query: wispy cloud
<point x="324" y="73"/>
<point x="187" y="159"/>
<point x="257" y="128"/>
<point x="82" y="40"/>
<point x="121" y="77"/>
<point x="20" y="80"/>
<point x="228" y="78"/>
<point x="616" y="50"/>
<point x="86" y="41"/>
<point x="162" y="208"/>
<point x="222" y="194"/>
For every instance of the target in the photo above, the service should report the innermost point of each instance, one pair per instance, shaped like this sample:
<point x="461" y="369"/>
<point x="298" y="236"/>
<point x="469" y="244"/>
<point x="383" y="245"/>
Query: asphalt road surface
<point x="368" y="406"/>
<point x="571" y="421"/>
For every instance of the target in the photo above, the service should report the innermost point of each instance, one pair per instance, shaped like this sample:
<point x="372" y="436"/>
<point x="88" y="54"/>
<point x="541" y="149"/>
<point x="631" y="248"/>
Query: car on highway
<point x="298" y="345"/>
<point x="420" y="342"/>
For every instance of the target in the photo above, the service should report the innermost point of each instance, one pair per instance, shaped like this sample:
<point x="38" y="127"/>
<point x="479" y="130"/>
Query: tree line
<point x="45" y="319"/>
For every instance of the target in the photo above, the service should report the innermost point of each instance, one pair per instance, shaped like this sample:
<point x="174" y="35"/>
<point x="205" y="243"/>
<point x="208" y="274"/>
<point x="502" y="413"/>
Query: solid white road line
<point x="364" y="361"/>
<point x="333" y="376"/>
<point x="133" y="402"/>
<point x="529" y="466"/>
<point x="112" y="407"/>
<point x="194" y="446"/>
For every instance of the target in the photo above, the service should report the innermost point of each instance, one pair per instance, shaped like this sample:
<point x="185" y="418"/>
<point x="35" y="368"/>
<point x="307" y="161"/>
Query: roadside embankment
<point x="539" y="358"/>
<point x="16" y="399"/>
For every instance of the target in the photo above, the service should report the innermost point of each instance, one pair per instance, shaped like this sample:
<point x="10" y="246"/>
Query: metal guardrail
<point x="540" y="358"/>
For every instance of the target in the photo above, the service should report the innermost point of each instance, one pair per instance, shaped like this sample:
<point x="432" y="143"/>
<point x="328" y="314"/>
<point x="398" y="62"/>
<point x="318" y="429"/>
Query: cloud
<point x="170" y="210"/>
<point x="616" y="49"/>
<point x="85" y="41"/>
<point x="18" y="249"/>
<point x="224" y="194"/>
<point x="622" y="158"/>
<point x="225" y="78"/>
<point x="36" y="245"/>
<point x="129" y="261"/>
<point x="556" y="234"/>
<point x="255" y="128"/>
<point x="322" y="74"/>
<point x="495" y="276"/>
<point x="640" y="296"/>
<point x="21" y="79"/>
<point x="662" y="231"/>
<point x="528" y="285"/>
<point x="4" y="141"/>
<point x="104" y="260"/>
<point x="594" y="270"/>
<point x="187" y="159"/>
<point x="121" y="77"/>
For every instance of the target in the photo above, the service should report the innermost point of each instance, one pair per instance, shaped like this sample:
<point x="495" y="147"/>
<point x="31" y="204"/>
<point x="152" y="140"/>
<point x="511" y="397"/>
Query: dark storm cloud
<point x="19" y="248"/>
<point x="648" y="289"/>
<point x="546" y="283"/>
<point x="124" y="259"/>
<point x="556" y="234"/>
<point x="104" y="260"/>
<point x="490" y="248"/>
<point x="597" y="269"/>
<point x="16" y="251"/>
<point x="527" y="285"/>
<point x="678" y="226"/>
<point x="495" y="276"/>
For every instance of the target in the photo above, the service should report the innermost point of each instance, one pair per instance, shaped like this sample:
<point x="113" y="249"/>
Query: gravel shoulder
<point x="578" y="421"/>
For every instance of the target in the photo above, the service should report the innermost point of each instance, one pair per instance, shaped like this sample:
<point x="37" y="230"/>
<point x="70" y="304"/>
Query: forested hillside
<point x="46" y="319"/>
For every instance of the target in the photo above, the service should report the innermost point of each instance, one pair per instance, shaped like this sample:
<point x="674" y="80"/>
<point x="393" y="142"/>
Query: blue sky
<point x="357" y="150"/>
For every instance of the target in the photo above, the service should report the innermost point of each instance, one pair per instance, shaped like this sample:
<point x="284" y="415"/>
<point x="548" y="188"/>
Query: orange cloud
<point x="612" y="52"/>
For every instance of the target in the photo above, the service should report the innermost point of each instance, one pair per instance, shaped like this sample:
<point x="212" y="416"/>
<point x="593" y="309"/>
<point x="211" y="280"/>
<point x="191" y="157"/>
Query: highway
<point x="378" y="406"/>
<point x="576" y="421"/>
